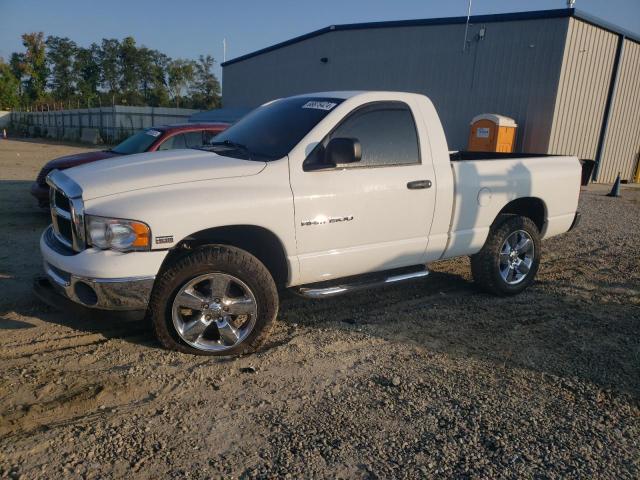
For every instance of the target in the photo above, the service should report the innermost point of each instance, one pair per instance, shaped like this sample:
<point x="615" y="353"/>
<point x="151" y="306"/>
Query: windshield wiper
<point x="230" y="145"/>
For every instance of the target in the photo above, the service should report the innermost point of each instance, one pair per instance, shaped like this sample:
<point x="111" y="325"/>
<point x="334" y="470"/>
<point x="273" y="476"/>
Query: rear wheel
<point x="509" y="260"/>
<point x="219" y="300"/>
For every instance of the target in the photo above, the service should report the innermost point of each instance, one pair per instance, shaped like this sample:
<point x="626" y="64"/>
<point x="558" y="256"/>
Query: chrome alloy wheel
<point x="214" y="312"/>
<point x="516" y="257"/>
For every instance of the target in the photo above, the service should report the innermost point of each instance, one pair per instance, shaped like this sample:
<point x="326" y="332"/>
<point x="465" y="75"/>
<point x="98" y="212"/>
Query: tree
<point x="87" y="71"/>
<point x="145" y="71"/>
<point x="35" y="66"/>
<point x="159" y="95"/>
<point x="113" y="71"/>
<point x="9" y="87"/>
<point x="153" y="66"/>
<point x="181" y="73"/>
<point x="205" y="90"/>
<point x="128" y="59"/>
<point x="16" y="63"/>
<point x="60" y="57"/>
<point x="109" y="65"/>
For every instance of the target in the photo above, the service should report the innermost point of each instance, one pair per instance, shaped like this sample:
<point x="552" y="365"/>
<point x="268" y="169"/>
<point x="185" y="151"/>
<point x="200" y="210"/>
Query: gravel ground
<point x="425" y="380"/>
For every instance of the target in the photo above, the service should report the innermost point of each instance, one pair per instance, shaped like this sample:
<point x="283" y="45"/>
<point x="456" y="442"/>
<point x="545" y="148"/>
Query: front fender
<point x="174" y="212"/>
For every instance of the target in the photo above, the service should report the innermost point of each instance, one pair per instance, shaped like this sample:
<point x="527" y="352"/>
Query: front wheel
<point x="509" y="260"/>
<point x="219" y="300"/>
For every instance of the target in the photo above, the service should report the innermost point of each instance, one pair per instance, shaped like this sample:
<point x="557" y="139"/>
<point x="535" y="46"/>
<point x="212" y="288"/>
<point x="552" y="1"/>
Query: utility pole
<point x="466" y="28"/>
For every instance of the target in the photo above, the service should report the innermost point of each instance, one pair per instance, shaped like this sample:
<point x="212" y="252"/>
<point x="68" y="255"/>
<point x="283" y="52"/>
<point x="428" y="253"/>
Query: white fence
<point x="106" y="124"/>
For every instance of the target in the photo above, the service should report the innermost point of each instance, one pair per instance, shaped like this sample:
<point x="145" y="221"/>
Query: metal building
<point x="571" y="81"/>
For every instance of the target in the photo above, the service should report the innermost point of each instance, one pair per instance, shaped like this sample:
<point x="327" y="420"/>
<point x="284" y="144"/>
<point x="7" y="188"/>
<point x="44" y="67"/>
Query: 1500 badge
<point x="324" y="220"/>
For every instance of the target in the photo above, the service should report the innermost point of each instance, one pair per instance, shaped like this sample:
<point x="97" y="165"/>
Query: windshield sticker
<point x="153" y="133"/>
<point x="319" y="105"/>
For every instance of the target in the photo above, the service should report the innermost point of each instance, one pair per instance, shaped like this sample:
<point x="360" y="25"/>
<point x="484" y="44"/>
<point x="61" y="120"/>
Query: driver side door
<point x="366" y="216"/>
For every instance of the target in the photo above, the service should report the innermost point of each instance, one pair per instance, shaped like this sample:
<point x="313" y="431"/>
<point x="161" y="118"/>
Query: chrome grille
<point x="61" y="201"/>
<point x="67" y="211"/>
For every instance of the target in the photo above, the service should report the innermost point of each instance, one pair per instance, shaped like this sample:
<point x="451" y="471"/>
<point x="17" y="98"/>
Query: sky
<point x="189" y="28"/>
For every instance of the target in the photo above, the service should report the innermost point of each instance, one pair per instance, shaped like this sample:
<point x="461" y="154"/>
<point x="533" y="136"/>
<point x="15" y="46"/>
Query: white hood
<point x="146" y="170"/>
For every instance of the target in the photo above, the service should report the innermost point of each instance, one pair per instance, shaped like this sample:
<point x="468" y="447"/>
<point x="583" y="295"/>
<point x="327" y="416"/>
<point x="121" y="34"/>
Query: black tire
<point x="485" y="265"/>
<point x="214" y="259"/>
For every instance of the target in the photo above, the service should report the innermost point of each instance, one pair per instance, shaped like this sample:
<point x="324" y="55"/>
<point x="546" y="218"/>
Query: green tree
<point x="9" y="87"/>
<point x="16" y="63"/>
<point x="129" y="67"/>
<point x="160" y="92"/>
<point x="87" y="72"/>
<point x="59" y="70"/>
<point x="152" y="66"/>
<point x="181" y="73"/>
<point x="60" y="57"/>
<point x="109" y="65"/>
<point x="205" y="89"/>
<point x="35" y="66"/>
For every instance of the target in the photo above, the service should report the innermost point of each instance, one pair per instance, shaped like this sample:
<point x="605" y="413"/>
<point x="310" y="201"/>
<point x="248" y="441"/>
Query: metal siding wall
<point x="513" y="71"/>
<point x="582" y="92"/>
<point x="622" y="143"/>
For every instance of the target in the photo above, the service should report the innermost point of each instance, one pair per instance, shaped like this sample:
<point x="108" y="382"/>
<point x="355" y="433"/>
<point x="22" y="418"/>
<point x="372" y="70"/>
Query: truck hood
<point x="154" y="169"/>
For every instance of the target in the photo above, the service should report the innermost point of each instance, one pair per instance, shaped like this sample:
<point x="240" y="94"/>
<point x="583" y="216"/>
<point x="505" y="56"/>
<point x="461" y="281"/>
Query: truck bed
<point x="484" y="182"/>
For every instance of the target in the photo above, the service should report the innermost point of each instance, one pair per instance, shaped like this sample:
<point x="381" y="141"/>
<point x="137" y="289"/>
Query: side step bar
<point x="359" y="283"/>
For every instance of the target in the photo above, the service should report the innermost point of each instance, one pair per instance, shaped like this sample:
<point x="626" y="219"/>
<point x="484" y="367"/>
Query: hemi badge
<point x="167" y="239"/>
<point x="322" y="220"/>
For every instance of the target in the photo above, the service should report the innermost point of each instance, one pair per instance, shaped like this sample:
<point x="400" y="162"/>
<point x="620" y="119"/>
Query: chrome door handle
<point x="418" y="184"/>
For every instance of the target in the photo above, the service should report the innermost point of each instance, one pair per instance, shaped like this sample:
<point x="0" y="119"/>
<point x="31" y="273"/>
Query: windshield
<point x="271" y="131"/>
<point x="138" y="143"/>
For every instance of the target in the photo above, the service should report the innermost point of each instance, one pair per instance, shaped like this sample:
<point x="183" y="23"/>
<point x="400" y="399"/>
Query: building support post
<point x="613" y="86"/>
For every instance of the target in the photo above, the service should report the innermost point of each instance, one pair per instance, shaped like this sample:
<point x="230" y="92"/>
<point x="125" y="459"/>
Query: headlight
<point x="117" y="234"/>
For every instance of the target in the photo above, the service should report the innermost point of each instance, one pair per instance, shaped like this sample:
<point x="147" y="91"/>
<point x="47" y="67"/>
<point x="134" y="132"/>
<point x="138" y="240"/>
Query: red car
<point x="169" y="137"/>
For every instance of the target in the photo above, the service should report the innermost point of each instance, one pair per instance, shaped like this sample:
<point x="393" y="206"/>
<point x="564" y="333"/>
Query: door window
<point x="193" y="139"/>
<point x="386" y="131"/>
<point x="173" y="143"/>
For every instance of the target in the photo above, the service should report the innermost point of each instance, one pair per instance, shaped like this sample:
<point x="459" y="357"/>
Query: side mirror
<point x="342" y="150"/>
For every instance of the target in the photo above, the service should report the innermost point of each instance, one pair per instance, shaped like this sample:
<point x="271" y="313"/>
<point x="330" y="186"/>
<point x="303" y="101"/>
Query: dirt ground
<point x="425" y="380"/>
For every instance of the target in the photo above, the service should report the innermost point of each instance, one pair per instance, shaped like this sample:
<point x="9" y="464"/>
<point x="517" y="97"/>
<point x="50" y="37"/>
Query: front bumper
<point x="101" y="279"/>
<point x="131" y="293"/>
<point x="44" y="289"/>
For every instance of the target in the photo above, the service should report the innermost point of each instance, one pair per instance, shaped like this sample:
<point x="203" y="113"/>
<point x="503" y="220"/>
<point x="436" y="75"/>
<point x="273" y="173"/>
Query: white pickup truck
<point x="322" y="193"/>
